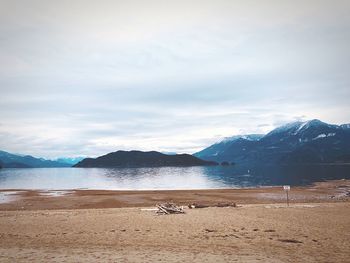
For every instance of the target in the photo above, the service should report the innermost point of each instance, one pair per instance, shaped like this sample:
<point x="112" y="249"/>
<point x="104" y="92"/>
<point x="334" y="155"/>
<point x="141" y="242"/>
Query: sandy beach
<point x="111" y="226"/>
<point x="174" y="131"/>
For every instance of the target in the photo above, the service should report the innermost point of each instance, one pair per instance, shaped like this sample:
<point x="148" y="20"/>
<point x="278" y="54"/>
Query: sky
<point x="84" y="78"/>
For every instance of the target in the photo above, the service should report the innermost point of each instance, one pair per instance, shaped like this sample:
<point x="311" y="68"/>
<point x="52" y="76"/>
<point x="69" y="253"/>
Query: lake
<point x="167" y="177"/>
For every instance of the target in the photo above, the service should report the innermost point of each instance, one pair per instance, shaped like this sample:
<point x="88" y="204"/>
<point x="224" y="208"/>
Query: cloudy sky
<point x="83" y="78"/>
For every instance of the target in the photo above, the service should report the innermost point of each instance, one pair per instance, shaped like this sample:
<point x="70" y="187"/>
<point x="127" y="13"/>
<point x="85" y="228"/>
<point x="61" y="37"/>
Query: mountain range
<point x="69" y="160"/>
<point x="298" y="142"/>
<point x="10" y="160"/>
<point x="142" y="159"/>
<point x="294" y="143"/>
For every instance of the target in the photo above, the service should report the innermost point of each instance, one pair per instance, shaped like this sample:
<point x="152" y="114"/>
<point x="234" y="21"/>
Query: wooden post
<point x="287" y="188"/>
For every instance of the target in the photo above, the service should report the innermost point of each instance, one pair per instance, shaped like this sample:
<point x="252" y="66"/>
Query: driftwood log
<point x="169" y="208"/>
<point x="195" y="205"/>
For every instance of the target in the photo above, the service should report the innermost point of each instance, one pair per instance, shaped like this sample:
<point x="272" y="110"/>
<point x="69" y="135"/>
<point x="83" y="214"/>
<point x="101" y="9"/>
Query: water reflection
<point x="167" y="177"/>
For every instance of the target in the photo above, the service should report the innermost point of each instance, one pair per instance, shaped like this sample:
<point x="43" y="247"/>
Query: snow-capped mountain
<point x="69" y="160"/>
<point x="298" y="142"/>
<point x="345" y="126"/>
<point x="224" y="146"/>
<point x="10" y="160"/>
<point x="249" y="137"/>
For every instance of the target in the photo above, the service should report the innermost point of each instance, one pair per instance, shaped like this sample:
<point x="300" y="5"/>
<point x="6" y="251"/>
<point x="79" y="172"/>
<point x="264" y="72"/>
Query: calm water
<point x="167" y="177"/>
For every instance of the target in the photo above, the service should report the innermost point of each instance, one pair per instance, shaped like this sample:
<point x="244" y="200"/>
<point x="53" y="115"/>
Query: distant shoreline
<point x="218" y="165"/>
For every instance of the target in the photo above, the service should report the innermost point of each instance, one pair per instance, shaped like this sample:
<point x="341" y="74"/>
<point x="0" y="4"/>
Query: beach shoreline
<point x="22" y="199"/>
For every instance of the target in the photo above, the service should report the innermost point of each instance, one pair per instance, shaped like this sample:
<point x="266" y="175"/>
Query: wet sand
<point x="74" y="227"/>
<point x="330" y="191"/>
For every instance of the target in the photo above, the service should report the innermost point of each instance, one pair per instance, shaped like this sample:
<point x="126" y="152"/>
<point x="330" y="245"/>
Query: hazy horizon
<point x="85" y="78"/>
<point x="164" y="152"/>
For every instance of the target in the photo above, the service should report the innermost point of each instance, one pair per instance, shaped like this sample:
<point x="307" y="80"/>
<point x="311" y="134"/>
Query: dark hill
<point x="142" y="159"/>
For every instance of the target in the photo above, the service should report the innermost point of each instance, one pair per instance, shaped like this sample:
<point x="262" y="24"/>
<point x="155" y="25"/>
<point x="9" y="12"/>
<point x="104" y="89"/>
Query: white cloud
<point x="89" y="77"/>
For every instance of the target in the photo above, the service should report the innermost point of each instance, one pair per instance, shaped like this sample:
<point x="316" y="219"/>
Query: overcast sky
<point x="83" y="78"/>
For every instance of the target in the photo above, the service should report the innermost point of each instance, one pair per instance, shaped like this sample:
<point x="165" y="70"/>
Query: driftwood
<point x="195" y="205"/>
<point x="149" y="209"/>
<point x="169" y="208"/>
<point x="226" y="205"/>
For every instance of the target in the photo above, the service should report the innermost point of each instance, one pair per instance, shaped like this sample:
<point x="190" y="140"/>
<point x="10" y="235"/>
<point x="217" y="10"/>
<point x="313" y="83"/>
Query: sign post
<point x="286" y="188"/>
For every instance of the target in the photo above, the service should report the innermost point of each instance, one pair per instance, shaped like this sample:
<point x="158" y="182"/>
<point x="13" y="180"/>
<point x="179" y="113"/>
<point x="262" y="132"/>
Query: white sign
<point x="286" y="187"/>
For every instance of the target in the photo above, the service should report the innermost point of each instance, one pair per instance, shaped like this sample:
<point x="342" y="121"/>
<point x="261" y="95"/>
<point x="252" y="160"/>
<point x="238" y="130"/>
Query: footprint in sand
<point x="290" y="241"/>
